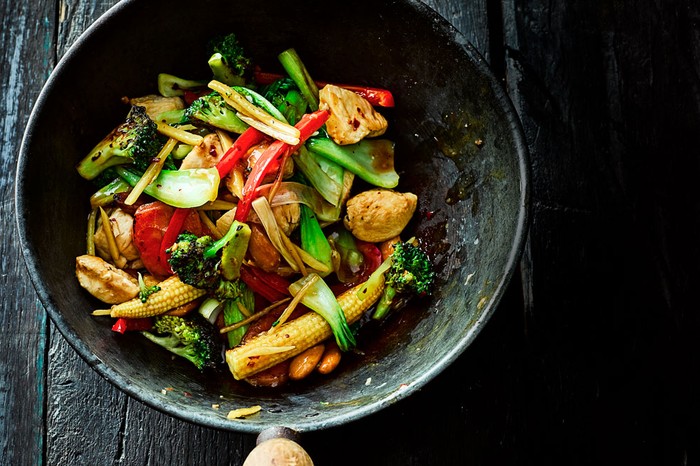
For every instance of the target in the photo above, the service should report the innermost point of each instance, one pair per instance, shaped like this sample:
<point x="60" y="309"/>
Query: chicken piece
<point x="352" y="117"/>
<point x="205" y="155"/>
<point x="155" y="105"/>
<point x="123" y="230"/>
<point x="104" y="281"/>
<point x="379" y="214"/>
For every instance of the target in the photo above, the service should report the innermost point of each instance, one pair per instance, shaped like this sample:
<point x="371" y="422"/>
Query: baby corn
<point x="173" y="293"/>
<point x="297" y="335"/>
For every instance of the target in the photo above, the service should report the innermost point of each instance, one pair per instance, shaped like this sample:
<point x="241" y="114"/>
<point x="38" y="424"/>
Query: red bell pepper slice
<point x="268" y="285"/>
<point x="374" y="95"/>
<point x="245" y="141"/>
<point x="123" y="325"/>
<point x="175" y="226"/>
<point x="274" y="156"/>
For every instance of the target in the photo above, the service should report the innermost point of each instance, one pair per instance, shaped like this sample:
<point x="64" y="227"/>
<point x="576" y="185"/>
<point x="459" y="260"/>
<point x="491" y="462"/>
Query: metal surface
<point x="459" y="148"/>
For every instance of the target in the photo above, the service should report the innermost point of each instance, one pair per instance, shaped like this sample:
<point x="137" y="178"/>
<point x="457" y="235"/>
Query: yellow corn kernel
<point x="297" y="335"/>
<point x="172" y="293"/>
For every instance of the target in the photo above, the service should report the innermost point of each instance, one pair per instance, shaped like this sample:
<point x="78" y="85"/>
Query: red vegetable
<point x="124" y="325"/>
<point x="374" y="95"/>
<point x="150" y="223"/>
<point x="175" y="227"/>
<point x="268" y="285"/>
<point x="372" y="256"/>
<point x="273" y="157"/>
<point x="245" y="141"/>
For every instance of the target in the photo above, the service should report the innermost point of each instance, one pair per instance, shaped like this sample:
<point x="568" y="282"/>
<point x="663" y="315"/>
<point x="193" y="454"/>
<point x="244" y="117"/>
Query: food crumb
<point x="243" y="412"/>
<point x="164" y="392"/>
<point x="479" y="142"/>
<point x="215" y="406"/>
<point x="368" y="382"/>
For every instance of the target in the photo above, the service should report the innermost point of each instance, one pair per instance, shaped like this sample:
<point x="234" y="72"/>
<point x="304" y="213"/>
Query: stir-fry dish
<point x="251" y="220"/>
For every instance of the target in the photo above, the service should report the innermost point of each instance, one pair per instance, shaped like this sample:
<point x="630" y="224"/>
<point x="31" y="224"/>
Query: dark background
<point x="592" y="355"/>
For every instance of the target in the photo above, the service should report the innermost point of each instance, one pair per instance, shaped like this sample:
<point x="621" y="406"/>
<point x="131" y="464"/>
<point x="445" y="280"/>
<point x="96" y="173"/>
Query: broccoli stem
<point x="384" y="303"/>
<point x="179" y="188"/>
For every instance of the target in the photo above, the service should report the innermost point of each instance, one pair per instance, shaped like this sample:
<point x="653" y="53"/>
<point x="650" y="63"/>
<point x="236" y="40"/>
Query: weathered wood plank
<point x="608" y="94"/>
<point x="26" y="33"/>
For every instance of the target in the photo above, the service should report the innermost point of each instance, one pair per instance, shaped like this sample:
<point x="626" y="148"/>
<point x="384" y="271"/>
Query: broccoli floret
<point x="212" y="110"/>
<point x="193" y="338"/>
<point x="211" y="265"/>
<point x="135" y="141"/>
<point x="410" y="273"/>
<point x="228" y="61"/>
<point x="285" y="95"/>
<point x="144" y="290"/>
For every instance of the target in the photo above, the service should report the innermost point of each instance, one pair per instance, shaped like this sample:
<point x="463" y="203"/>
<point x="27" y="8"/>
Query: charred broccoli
<point x="212" y="110"/>
<point x="193" y="338"/>
<point x="228" y="61"/>
<point x="211" y="265"/>
<point x="135" y="141"/>
<point x="410" y="273"/>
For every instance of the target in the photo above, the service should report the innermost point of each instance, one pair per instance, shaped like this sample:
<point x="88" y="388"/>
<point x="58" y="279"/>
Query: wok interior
<point x="470" y="196"/>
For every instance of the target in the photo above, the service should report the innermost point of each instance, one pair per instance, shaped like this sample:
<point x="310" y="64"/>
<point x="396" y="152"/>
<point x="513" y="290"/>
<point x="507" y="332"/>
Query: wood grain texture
<point x="613" y="242"/>
<point x="26" y="35"/>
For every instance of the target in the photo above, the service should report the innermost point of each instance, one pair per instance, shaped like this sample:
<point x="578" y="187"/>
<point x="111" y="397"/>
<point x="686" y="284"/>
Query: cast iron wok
<point x="459" y="147"/>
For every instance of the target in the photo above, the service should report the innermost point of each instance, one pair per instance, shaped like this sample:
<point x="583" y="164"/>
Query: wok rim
<point x="125" y="385"/>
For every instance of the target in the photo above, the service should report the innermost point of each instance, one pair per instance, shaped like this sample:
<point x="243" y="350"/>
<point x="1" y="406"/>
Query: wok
<point x="459" y="147"/>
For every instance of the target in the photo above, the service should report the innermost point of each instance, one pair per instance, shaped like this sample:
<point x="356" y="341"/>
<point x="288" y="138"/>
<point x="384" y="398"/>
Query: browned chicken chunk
<point x="352" y="116"/>
<point x="379" y="214"/>
<point x="123" y="230"/>
<point x="205" y="155"/>
<point x="104" y="281"/>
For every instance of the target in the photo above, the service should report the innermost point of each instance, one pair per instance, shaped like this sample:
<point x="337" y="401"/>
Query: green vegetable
<point x="171" y="86"/>
<point x="320" y="298"/>
<point x="228" y="60"/>
<point x="205" y="263"/>
<point x="293" y="65"/>
<point x="105" y="195"/>
<point x="370" y="159"/>
<point x="233" y="314"/>
<point x="313" y="240"/>
<point x="144" y="290"/>
<point x="284" y="94"/>
<point x="179" y="188"/>
<point x="350" y="258"/>
<point x="212" y="110"/>
<point x="323" y="174"/>
<point x="135" y="141"/>
<point x="192" y="338"/>
<point x="260" y="101"/>
<point x="410" y="273"/>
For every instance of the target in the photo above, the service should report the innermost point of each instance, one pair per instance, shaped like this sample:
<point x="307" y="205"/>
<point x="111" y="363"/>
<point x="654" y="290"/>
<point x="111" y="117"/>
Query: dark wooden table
<point x="591" y="357"/>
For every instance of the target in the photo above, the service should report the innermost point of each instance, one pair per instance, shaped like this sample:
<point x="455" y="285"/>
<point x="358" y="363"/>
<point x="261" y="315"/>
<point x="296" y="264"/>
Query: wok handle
<point x="278" y="445"/>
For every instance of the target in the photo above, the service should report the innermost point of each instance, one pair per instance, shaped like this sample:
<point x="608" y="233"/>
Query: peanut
<point x="330" y="358"/>
<point x="304" y="363"/>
